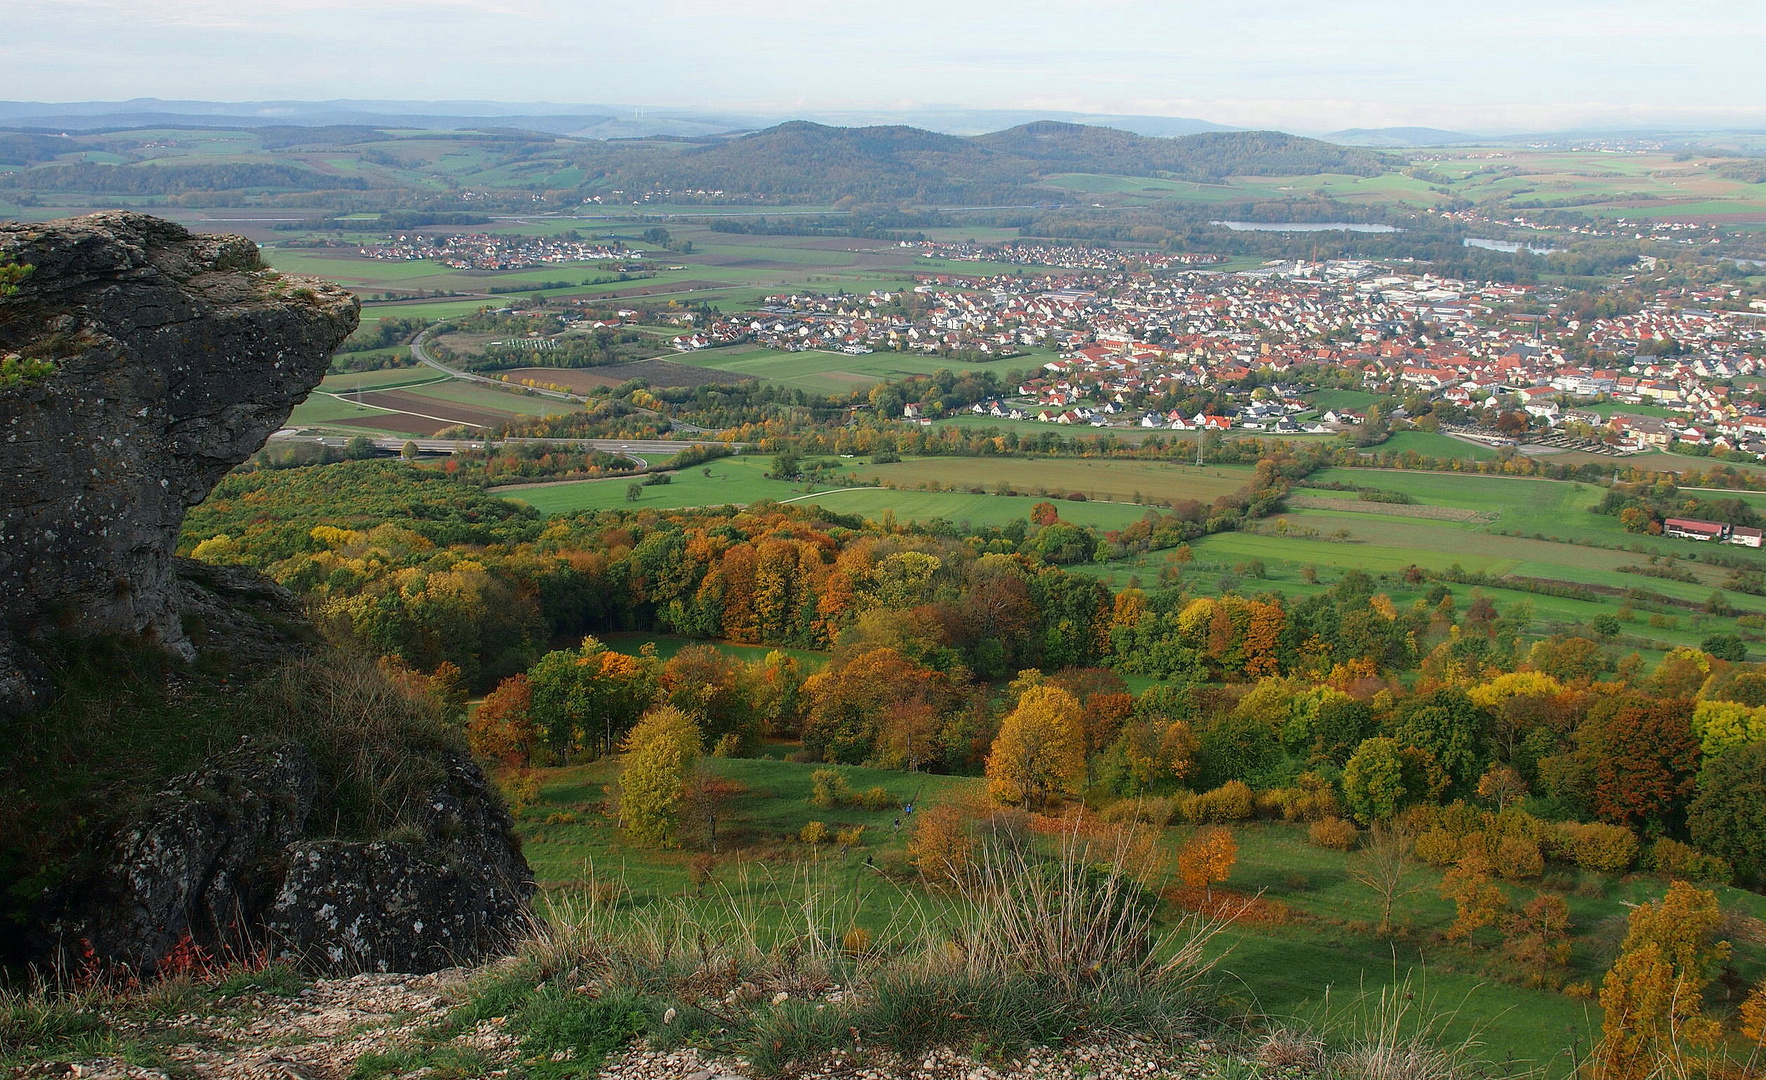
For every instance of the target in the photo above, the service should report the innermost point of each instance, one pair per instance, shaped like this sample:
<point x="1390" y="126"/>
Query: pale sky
<point x="1304" y="65"/>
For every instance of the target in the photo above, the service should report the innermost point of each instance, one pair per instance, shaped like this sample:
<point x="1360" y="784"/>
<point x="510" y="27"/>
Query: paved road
<point x="422" y="356"/>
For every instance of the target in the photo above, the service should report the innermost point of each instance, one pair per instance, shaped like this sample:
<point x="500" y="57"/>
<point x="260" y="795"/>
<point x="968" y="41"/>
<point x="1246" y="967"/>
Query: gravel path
<point x="321" y="1033"/>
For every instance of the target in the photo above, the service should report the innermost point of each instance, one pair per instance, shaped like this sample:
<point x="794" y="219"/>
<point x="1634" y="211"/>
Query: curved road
<point x="422" y="356"/>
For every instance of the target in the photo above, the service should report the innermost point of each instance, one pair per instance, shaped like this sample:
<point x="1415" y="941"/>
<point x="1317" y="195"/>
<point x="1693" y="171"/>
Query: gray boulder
<point x="213" y="866"/>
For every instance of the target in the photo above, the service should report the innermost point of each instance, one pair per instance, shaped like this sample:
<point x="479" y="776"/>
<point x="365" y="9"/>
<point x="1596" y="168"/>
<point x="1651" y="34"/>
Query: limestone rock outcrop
<point x="153" y="361"/>
<point x="138" y="364"/>
<point x="214" y="865"/>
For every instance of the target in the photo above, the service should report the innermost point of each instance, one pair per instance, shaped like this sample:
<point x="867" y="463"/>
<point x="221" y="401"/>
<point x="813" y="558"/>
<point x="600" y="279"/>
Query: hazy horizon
<point x="1503" y="66"/>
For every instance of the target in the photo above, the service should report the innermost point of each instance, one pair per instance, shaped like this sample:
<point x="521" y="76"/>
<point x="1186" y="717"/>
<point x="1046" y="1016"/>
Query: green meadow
<point x="839" y="373"/>
<point x="742" y="480"/>
<point x="1309" y="954"/>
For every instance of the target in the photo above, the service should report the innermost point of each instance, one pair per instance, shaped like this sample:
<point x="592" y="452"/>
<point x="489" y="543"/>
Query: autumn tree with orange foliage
<point x="1262" y="639"/>
<point x="1477" y="900"/>
<point x="1536" y="940"/>
<point x="1207" y="859"/>
<point x="1653" y="997"/>
<point x="1641" y="757"/>
<point x="1752" y="1015"/>
<point x="501" y="729"/>
<point x="712" y="684"/>
<point x="851" y="704"/>
<point x="1039" y="754"/>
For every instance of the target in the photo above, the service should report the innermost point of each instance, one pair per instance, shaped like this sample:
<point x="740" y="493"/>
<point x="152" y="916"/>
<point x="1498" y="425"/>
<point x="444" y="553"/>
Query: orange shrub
<point x="1334" y="833"/>
<point x="1438" y="847"/>
<point x="1518" y="858"/>
<point x="1673" y="859"/>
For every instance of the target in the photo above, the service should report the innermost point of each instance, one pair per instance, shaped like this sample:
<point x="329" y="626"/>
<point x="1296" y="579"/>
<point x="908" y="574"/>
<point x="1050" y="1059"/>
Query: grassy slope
<point x="1322" y="963"/>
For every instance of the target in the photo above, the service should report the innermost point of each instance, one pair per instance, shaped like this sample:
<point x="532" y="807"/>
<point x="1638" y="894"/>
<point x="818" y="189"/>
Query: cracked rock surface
<point x="172" y="357"/>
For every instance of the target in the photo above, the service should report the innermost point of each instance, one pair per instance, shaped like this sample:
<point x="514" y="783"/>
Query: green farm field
<point x="479" y="396"/>
<point x="326" y="411"/>
<point x="351" y="403"/>
<point x="874" y="503"/>
<point x="737" y="480"/>
<point x="1097" y="478"/>
<point x="836" y="373"/>
<point x="1305" y="550"/>
<point x="384" y="379"/>
<point x="741" y="480"/>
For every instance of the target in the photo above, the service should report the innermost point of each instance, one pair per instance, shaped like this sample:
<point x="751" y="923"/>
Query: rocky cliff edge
<point x="141" y="363"/>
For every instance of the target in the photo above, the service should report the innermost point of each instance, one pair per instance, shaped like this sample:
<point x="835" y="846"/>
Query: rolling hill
<point x="797" y="161"/>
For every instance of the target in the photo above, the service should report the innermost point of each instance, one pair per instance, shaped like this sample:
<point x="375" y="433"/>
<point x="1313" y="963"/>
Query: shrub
<point x="1673" y="859"/>
<point x="856" y="941"/>
<point x="1334" y="833"/>
<point x="878" y="799"/>
<point x="828" y="788"/>
<point x="1518" y="858"/>
<point x="850" y="837"/>
<point x="1231" y="801"/>
<point x="521" y="790"/>
<point x="814" y="832"/>
<point x="1612" y="848"/>
<point x="1438" y="847"/>
<point x="1157" y="812"/>
<point x="699" y="870"/>
<point x="1310" y="799"/>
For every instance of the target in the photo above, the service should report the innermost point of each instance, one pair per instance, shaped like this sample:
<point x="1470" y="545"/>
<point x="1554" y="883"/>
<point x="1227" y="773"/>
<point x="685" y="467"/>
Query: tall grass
<point x="1396" y="1033"/>
<point x="380" y="747"/>
<point x="1045" y="946"/>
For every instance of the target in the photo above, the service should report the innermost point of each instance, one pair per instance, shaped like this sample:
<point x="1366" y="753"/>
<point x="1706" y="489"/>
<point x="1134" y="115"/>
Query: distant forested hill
<point x="379" y="168"/>
<point x="822" y="162"/>
<point x="1214" y="155"/>
<point x="176" y="179"/>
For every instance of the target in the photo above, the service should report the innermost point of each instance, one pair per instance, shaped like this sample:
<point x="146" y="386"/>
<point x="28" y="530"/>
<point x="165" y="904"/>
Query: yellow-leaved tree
<point x="1207" y="858"/>
<point x="1654" y="995"/>
<point x="659" y="757"/>
<point x="1039" y="753"/>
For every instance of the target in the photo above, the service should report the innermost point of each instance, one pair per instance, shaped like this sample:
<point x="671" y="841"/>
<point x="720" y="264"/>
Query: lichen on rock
<point x="160" y="360"/>
<point x="171" y="358"/>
